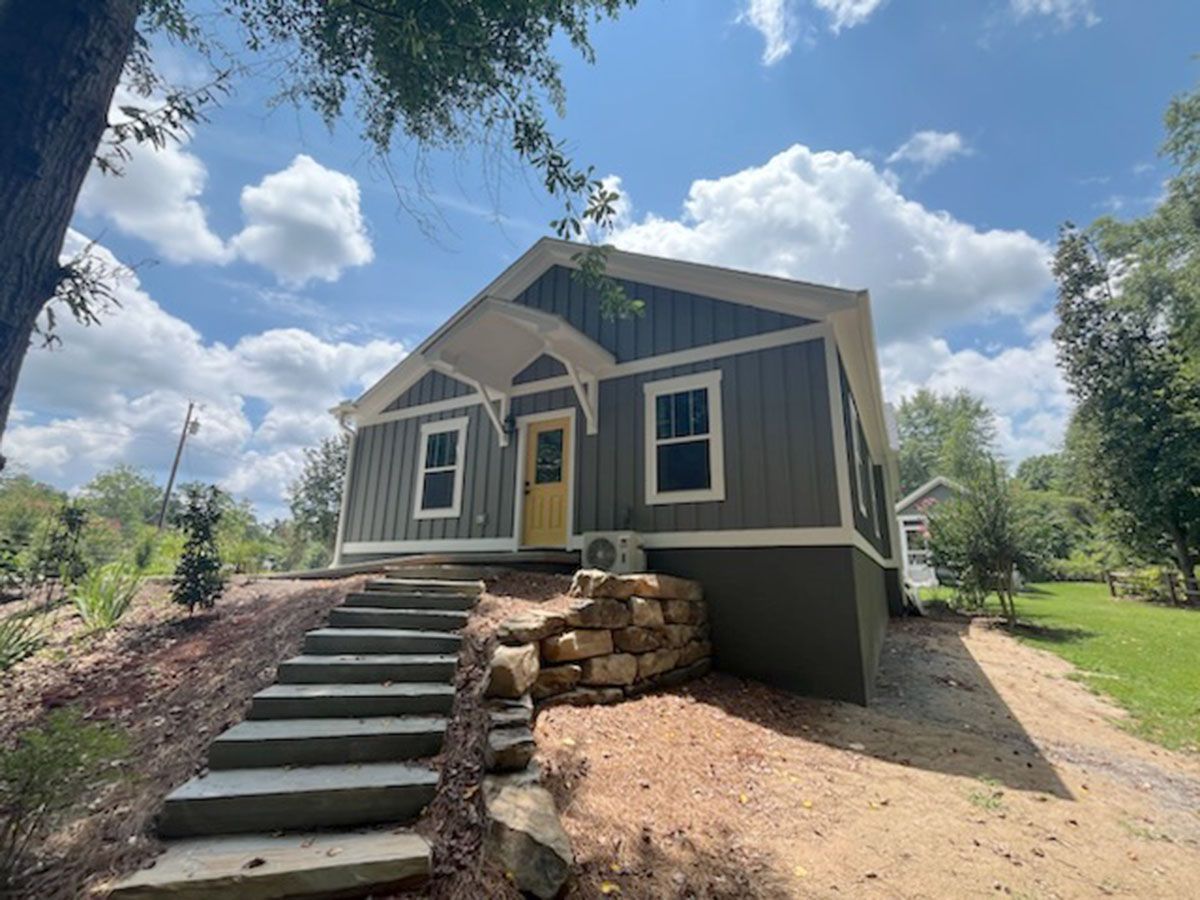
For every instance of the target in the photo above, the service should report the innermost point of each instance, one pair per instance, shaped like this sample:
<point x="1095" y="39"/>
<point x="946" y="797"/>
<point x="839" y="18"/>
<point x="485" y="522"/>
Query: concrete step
<point x="369" y="668"/>
<point x="409" y="600"/>
<point x="237" y="801"/>
<point x="418" y="619"/>
<point x="467" y="587"/>
<point x="351" y="701"/>
<point x="313" y="742"/>
<point x="267" y="867"/>
<point x="379" y="640"/>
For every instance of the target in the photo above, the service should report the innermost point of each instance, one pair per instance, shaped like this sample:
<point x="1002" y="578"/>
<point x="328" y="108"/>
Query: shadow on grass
<point x="1049" y="633"/>
<point x="935" y="709"/>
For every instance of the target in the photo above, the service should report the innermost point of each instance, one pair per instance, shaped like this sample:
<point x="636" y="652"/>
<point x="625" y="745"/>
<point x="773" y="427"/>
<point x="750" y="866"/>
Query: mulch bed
<point x="172" y="682"/>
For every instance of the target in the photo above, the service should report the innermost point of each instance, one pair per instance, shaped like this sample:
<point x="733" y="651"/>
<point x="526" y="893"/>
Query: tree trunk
<point x="1185" y="561"/>
<point x="60" y="61"/>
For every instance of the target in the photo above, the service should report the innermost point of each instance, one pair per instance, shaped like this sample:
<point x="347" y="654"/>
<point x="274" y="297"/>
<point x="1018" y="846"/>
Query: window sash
<point x="678" y="411"/>
<point x="443" y="446"/>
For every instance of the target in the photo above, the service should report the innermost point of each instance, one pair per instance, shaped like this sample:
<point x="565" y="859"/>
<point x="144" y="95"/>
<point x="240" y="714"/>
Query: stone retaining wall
<point x="622" y="636"/>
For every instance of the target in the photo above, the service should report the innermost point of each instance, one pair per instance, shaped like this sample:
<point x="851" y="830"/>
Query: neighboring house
<point x="738" y="426"/>
<point x="913" y="515"/>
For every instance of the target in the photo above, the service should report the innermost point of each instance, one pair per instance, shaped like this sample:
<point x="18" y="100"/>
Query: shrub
<point x="198" y="580"/>
<point x="20" y="636"/>
<point x="103" y="595"/>
<point x="45" y="774"/>
<point x="60" y="555"/>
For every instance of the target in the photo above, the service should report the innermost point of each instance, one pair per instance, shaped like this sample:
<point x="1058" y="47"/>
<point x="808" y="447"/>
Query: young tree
<point x="437" y="74"/>
<point x="984" y="536"/>
<point x="1138" y="402"/>
<point x="198" y="580"/>
<point x="316" y="496"/>
<point x="943" y="434"/>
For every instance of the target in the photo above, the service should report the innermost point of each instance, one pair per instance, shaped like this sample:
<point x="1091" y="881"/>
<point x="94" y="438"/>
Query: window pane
<point x="439" y="490"/>
<point x="700" y="411"/>
<point x="662" y="411"/>
<point x="440" y="449"/>
<point x="683" y="414"/>
<point x="684" y="467"/>
<point x="548" y="464"/>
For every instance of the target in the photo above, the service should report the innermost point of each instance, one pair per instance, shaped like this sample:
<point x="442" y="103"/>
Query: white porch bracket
<point x="490" y="409"/>
<point x="586" y="393"/>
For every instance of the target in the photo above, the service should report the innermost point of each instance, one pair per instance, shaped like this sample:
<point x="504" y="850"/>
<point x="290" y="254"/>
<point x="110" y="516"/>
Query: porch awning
<point x="496" y="339"/>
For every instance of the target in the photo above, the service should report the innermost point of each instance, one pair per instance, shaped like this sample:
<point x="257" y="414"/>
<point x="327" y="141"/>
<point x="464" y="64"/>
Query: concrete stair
<point x="339" y="743"/>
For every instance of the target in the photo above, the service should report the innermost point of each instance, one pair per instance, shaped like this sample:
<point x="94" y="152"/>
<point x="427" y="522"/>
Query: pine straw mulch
<point x="172" y="682"/>
<point x="454" y="823"/>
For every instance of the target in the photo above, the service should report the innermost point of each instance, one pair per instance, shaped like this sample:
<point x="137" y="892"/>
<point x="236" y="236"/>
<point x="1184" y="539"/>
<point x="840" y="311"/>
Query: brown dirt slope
<point x="981" y="770"/>
<point x="173" y="683"/>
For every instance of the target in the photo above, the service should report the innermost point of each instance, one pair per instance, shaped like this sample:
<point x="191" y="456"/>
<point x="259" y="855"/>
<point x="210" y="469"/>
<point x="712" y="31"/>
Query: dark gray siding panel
<point x="871" y="524"/>
<point x="808" y="619"/>
<point x="779" y="458"/>
<point x="673" y="320"/>
<point x="432" y="387"/>
<point x="383" y="483"/>
<point x="542" y="367"/>
<point x="769" y="482"/>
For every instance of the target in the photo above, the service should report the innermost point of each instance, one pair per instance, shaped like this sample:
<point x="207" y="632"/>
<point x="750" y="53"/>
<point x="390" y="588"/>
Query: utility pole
<point x="189" y="427"/>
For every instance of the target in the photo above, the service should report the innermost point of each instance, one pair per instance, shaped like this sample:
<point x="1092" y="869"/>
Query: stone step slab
<point x="268" y="867"/>
<point x="367" y="668"/>
<point x="346" y="701"/>
<point x="237" y="801"/>
<point x="409" y="600"/>
<point x="379" y="640"/>
<point x="260" y="743"/>
<point x="465" y="587"/>
<point x="417" y="619"/>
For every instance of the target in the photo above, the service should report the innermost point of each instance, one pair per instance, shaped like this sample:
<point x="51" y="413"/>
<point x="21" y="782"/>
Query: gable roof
<point x="927" y="488"/>
<point x="847" y="311"/>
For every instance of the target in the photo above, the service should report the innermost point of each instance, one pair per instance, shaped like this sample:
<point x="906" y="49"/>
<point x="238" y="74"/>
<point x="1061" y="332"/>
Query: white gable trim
<point x="936" y="482"/>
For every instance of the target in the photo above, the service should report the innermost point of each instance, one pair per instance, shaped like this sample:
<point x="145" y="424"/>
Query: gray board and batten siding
<point x="939" y="493"/>
<point x="870" y="511"/>
<point x="779" y="458"/>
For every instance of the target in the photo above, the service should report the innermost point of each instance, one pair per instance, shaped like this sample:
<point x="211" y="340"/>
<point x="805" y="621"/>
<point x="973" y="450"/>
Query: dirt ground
<point x="173" y="683"/>
<point x="980" y="770"/>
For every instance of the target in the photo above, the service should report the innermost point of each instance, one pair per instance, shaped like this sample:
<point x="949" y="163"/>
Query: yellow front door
<point x="547" y="475"/>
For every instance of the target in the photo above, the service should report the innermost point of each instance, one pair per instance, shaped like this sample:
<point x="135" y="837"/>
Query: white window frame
<point x="651" y="391"/>
<point x="441" y="426"/>
<point x="856" y="443"/>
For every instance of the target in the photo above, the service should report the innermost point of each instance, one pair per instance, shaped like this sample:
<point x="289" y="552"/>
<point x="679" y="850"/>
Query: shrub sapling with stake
<point x="198" y="580"/>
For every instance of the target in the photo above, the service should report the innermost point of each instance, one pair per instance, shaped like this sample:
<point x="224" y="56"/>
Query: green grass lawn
<point x="1145" y="656"/>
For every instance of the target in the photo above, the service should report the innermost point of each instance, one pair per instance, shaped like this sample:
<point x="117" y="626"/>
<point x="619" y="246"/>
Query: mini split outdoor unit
<point x="614" y="551"/>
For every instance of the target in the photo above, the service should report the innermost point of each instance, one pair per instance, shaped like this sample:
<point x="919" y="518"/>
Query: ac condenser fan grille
<point x="601" y="553"/>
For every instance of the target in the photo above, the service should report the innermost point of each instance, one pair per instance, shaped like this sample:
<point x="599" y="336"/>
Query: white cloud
<point x="930" y="149"/>
<point x="1066" y="12"/>
<point x="776" y="21"/>
<point x="304" y="222"/>
<point x="1021" y="384"/>
<point x="848" y="13"/>
<point x="834" y="218"/>
<point x="156" y="196"/>
<point x="131" y="378"/>
<point x="781" y="25"/>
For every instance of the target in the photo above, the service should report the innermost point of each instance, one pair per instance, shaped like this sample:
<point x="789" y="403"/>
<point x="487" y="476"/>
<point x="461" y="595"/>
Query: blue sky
<point x="927" y="151"/>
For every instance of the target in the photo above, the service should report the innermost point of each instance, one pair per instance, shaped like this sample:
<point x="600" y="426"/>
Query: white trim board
<point x="704" y="353"/>
<point x="830" y="536"/>
<point x="447" y="545"/>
